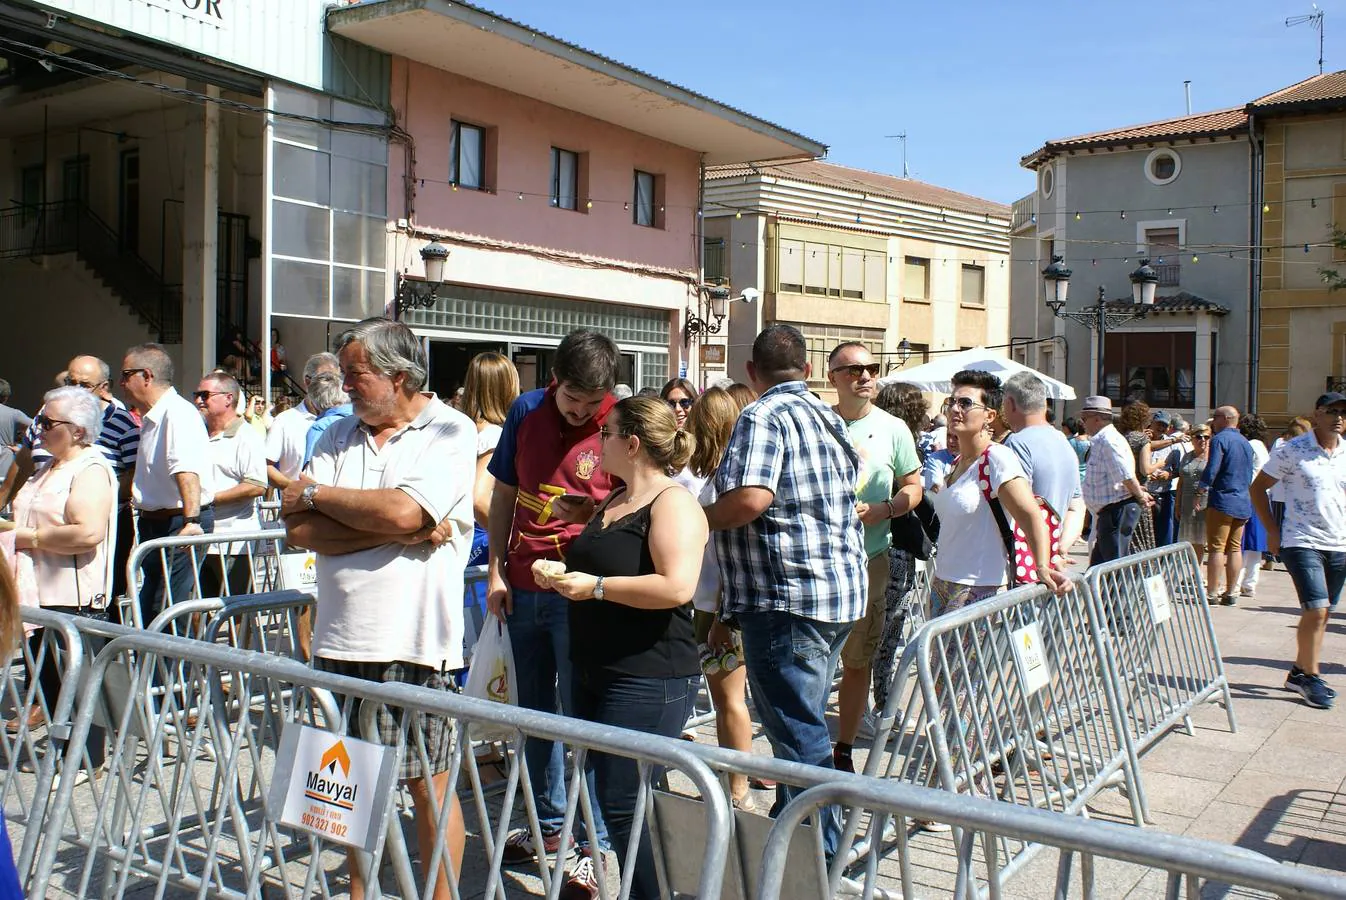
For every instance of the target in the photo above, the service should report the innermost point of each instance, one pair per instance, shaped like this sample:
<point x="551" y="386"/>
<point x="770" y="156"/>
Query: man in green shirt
<point x="889" y="486"/>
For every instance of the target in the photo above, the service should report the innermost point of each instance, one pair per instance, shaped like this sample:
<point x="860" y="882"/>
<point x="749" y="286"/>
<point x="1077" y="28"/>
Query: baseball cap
<point x="1162" y="417"/>
<point x="1331" y="398"/>
<point x="1098" y="404"/>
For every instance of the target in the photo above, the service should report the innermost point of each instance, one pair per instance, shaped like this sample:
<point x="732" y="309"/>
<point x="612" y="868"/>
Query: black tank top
<point x="623" y="640"/>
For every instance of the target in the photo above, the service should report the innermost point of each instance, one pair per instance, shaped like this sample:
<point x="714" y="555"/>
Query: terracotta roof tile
<point x="834" y="175"/>
<point x="1318" y="89"/>
<point x="1211" y="124"/>
<point x="1179" y="302"/>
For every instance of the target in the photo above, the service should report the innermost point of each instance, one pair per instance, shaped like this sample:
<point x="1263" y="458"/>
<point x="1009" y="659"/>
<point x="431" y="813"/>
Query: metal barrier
<point x="179" y="563"/>
<point x="1181" y="858"/>
<point x="208" y="825"/>
<point x="1165" y="659"/>
<point x="1012" y="702"/>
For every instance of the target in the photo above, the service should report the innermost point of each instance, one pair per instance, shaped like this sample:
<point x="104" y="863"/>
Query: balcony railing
<point x="1170" y="274"/>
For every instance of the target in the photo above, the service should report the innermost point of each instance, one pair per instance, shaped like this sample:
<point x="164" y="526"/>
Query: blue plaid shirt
<point x="805" y="554"/>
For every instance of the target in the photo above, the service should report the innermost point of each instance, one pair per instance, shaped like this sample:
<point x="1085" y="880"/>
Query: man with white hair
<point x="1048" y="459"/>
<point x="288" y="436"/>
<point x="386" y="503"/>
<point x="331" y="404"/>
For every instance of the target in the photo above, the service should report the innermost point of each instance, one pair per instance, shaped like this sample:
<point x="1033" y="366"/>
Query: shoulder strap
<point x="998" y="511"/>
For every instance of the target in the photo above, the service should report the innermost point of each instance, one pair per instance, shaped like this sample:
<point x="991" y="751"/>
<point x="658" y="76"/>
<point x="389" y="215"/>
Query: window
<point x="1158" y="368"/>
<point x="790" y="266"/>
<point x="916" y="278"/>
<point x="820" y="339"/>
<point x="712" y="260"/>
<point x="565" y="174"/>
<point x="974" y="286"/>
<point x="1048" y="180"/>
<point x="30" y="191"/>
<point x="1163" y="166"/>
<point x="642" y="208"/>
<point x="467" y="156"/>
<point x="1163" y="246"/>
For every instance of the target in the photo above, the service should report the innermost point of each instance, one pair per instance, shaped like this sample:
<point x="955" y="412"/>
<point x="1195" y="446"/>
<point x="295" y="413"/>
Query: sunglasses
<point x="685" y="403"/>
<point x="47" y="423"/>
<point x="75" y="382"/>
<point x="204" y="396"/>
<point x="964" y="404"/>
<point x="605" y="432"/>
<point x="128" y="374"/>
<point x="856" y="371"/>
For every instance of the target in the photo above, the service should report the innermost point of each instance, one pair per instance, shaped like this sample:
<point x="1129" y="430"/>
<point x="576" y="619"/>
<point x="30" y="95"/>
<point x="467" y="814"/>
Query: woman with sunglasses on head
<point x="63" y="526"/>
<point x="633" y="571"/>
<point x="1191" y="513"/>
<point x="970" y="564"/>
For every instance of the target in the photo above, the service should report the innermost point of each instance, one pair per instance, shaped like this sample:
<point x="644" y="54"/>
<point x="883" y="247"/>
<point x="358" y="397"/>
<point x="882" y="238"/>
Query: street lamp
<point x="903" y="351"/>
<point x="1098" y="318"/>
<point x="717" y="307"/>
<point x="422" y="294"/>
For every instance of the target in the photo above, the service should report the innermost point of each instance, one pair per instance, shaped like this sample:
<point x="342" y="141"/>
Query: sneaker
<point x="81" y="777"/>
<point x="582" y="880"/>
<point x="869" y="723"/>
<point x="519" y="847"/>
<point x="1229" y="600"/>
<point x="931" y="826"/>
<point x="842" y="761"/>
<point x="1312" y="688"/>
<point x="1247" y="592"/>
<point x="1297" y="673"/>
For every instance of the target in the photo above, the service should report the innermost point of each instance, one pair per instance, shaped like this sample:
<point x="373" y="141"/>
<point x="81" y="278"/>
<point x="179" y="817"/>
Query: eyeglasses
<point x="857" y="370"/>
<point x="605" y="432"/>
<point x="47" y="423"/>
<point x="204" y="396"/>
<point x="75" y="382"/>
<point x="128" y="374"/>
<point x="1335" y="413"/>
<point x="963" y="404"/>
<point x="685" y="403"/>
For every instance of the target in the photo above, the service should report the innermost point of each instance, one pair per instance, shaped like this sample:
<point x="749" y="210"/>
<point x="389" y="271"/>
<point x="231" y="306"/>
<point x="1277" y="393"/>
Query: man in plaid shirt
<point x="791" y="549"/>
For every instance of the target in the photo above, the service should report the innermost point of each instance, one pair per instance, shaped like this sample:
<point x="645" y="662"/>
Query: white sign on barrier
<point x="299" y="571"/>
<point x="1161" y="604"/>
<point x="334" y="786"/>
<point x="1032" y="661"/>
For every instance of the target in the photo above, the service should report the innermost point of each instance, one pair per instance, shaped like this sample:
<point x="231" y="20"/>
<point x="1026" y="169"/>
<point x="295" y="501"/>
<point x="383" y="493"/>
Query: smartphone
<point x="575" y="498"/>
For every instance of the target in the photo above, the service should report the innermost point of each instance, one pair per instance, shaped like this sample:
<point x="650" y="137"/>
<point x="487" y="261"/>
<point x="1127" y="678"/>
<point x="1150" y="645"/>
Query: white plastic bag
<point x="491" y="675"/>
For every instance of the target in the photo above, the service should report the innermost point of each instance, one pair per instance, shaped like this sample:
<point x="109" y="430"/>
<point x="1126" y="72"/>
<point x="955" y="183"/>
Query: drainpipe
<point x="1256" y="153"/>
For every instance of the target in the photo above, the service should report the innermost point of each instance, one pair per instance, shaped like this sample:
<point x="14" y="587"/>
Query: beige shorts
<point x="865" y="634"/>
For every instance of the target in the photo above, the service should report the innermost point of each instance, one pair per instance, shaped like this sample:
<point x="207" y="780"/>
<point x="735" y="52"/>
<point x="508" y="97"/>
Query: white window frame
<point x="1143" y="246"/>
<point x="1155" y="154"/>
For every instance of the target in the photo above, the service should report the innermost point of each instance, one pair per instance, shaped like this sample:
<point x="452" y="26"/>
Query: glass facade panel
<point x="358" y="239"/>
<point x="299" y="230"/>
<point x="299" y="288"/>
<point x="302" y="174"/>
<point x="359" y="186"/>
<point x="356" y="294"/>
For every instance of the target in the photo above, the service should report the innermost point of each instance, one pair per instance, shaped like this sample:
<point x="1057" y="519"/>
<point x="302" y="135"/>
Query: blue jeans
<point x="1165" y="525"/>
<point x="790" y="663"/>
<point x="1113" y="527"/>
<point x="181" y="582"/>
<point x="539" y="635"/>
<point x="1318" y="575"/>
<point x="652" y="705"/>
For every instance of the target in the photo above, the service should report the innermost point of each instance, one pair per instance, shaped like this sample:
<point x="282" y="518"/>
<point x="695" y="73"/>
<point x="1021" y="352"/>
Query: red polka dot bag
<point x="1023" y="569"/>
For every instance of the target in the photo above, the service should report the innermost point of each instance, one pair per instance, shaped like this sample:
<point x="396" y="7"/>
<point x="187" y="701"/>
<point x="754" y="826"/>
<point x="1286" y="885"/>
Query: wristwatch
<point x="191" y="520"/>
<point x="598" y="588"/>
<point x="307" y="496"/>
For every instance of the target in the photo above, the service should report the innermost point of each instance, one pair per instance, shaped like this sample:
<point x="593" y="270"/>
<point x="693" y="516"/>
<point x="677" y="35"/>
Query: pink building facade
<point x="565" y="186"/>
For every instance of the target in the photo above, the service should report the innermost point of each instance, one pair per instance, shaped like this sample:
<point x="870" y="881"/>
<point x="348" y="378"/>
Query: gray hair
<point x="1028" y="392"/>
<point x="225" y="382"/>
<point x="317" y="361"/>
<point x="155" y="358"/>
<point x="391" y="347"/>
<point x="1180" y="424"/>
<point x="79" y="407"/>
<point x="622" y="391"/>
<point x="5" y="390"/>
<point x="324" y="392"/>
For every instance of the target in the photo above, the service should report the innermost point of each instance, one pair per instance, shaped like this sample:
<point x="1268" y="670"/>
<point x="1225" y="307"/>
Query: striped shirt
<point x="805" y="554"/>
<point x="119" y="440"/>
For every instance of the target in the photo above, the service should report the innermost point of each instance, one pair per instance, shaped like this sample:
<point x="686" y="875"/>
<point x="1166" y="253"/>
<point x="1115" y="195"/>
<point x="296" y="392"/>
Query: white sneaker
<point x="869" y="723"/>
<point x="81" y="777"/>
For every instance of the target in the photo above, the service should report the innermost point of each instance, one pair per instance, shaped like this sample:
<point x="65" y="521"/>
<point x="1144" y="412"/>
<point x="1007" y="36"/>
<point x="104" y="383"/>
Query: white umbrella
<point x="934" y="376"/>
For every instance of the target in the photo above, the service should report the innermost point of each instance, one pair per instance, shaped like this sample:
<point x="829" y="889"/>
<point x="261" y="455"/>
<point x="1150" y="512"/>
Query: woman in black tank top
<point x="632" y="572"/>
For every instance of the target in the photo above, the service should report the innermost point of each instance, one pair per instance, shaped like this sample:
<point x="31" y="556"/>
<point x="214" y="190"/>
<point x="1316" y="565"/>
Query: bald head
<point x="1225" y="417"/>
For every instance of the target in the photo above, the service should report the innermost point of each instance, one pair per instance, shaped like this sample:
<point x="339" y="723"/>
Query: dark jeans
<point x="1318" y="575"/>
<point x="539" y="635"/>
<point x="1114" y="525"/>
<point x="1165" y="524"/>
<point x="217" y="571"/>
<point x="790" y="663"/>
<point x="126" y="538"/>
<point x="180" y="578"/>
<point x="49" y="679"/>
<point x="652" y="705"/>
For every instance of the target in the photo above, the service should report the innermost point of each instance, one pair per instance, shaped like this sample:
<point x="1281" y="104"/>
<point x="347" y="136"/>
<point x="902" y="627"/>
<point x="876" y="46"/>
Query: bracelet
<point x="892" y="513"/>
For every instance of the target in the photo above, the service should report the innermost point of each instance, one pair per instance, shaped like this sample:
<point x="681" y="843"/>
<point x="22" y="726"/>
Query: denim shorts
<point x="1318" y="575"/>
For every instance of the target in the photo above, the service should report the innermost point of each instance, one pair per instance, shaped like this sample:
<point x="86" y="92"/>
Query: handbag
<point x="911" y="533"/>
<point x="1022" y="567"/>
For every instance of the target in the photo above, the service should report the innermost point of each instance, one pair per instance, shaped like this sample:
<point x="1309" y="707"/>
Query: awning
<point x="935" y="376"/>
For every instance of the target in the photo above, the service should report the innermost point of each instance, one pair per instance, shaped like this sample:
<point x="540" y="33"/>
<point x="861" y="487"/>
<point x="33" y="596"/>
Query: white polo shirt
<point x="237" y="456"/>
<point x="286" y="440"/>
<point x="396" y="602"/>
<point x="173" y="440"/>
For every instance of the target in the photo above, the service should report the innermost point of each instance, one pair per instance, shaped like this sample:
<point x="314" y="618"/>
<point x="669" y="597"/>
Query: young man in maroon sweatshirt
<point x="547" y="484"/>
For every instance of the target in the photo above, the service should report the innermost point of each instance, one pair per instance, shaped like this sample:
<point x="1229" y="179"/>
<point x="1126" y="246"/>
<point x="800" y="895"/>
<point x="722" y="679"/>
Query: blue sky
<point x="975" y="85"/>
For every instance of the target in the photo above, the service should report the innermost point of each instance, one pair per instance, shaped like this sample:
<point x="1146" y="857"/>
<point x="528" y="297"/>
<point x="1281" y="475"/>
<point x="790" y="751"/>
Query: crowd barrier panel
<point x="1182" y="859"/>
<point x="1012" y="702"/>
<point x="167" y="816"/>
<point x="259" y="550"/>
<point x="1155" y="619"/>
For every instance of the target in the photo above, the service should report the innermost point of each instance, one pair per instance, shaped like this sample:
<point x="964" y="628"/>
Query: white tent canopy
<point x="934" y="376"/>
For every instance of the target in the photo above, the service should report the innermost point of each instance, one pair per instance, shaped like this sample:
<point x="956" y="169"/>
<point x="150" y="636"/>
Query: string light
<point x="1077" y="215"/>
<point x="1123" y="214"/>
<point x="1194" y="258"/>
<point x="739" y="214"/>
<point x="1170" y="212"/>
<point x="520" y="195"/>
<point x="1216" y="209"/>
<point x="1313" y="202"/>
<point x="1033" y="218"/>
<point x="1266" y="207"/>
<point x="589" y="204"/>
<point x="1306" y="248"/>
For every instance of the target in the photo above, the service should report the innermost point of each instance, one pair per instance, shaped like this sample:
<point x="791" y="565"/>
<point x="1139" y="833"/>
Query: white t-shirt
<point x="173" y="440"/>
<point x="487" y="438"/>
<point x="396" y="602"/>
<point x="1313" y="489"/>
<point x="971" y="550"/>
<point x="707" y="596"/>
<point x="237" y="456"/>
<point x="287" y="438"/>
